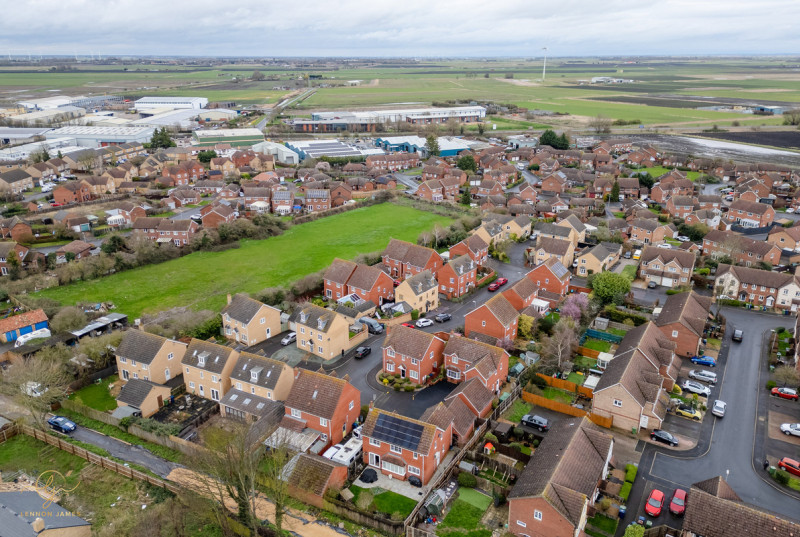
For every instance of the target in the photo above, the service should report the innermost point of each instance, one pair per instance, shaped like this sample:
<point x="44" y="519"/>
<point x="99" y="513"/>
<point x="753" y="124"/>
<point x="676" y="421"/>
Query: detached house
<point x="683" y="320"/>
<point x="554" y="231"/>
<point x="475" y="396"/>
<point x="669" y="268"/>
<point x="419" y="292"/>
<point x="213" y="216"/>
<point x="561" y="481"/>
<point x="256" y="383"/>
<point x="552" y="278"/>
<point x="9" y="250"/>
<point x="403" y="259"/>
<point x="649" y="231"/>
<point x="178" y="232"/>
<point x="335" y="278"/>
<point x="207" y="369"/>
<point x="412" y="354"/>
<point x="554" y="183"/>
<point x="547" y="248"/>
<point x="321" y="332"/>
<point x="15" y="228"/>
<point x="317" y="199"/>
<point x="634" y="389"/>
<point x="681" y="206"/>
<point x="598" y="258"/>
<point x="72" y="192"/>
<point x="785" y="238"/>
<point x="402" y="447"/>
<point x="249" y="321"/>
<point x="495" y="318"/>
<point x="457" y="277"/>
<point x="146" y="356"/>
<point x="466" y="359"/>
<point x="751" y="214"/>
<point x="370" y="284"/>
<point x="473" y="246"/>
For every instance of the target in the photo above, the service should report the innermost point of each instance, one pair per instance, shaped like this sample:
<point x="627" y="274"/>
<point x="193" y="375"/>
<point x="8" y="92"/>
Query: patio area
<point x="403" y="487"/>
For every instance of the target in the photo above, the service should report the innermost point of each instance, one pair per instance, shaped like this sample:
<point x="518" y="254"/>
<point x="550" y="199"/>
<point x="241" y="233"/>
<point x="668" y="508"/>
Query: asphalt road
<point x="729" y="446"/>
<point x="409" y="181"/>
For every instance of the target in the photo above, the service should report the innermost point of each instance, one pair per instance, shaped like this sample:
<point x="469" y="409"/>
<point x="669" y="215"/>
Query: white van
<point x="349" y="453"/>
<point x="36" y="334"/>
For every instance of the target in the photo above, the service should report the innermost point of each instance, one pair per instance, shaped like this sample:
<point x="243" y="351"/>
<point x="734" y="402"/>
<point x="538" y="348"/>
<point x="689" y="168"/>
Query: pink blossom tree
<point x="575" y="306"/>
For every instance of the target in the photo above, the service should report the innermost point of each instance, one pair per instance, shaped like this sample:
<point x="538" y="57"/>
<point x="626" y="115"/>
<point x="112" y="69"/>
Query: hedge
<point x="730" y="302"/>
<point x="625" y="491"/>
<point x="630" y="473"/>
<point x="619" y="316"/>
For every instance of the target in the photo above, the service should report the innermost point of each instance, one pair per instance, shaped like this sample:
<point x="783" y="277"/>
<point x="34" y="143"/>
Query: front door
<point x="166" y="374"/>
<point x="375" y="460"/>
<point x="402" y="372"/>
<point x="643" y="422"/>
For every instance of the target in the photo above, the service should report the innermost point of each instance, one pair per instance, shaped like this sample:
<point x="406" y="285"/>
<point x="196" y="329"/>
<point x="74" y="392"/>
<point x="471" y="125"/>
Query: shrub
<point x="414" y="315"/>
<point x="489" y="437"/>
<point x="536" y="443"/>
<point x="466" y="479"/>
<point x="515" y="445"/>
<point x="410" y="388"/>
<point x="782" y="477"/>
<point x="519" y="432"/>
<point x="625" y="491"/>
<point x="771" y="384"/>
<point x="539" y="382"/>
<point x="364" y="501"/>
<point x="630" y="472"/>
<point x="605" y="504"/>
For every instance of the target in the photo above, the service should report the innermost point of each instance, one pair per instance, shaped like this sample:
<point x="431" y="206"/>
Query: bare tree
<point x="88" y="160"/>
<point x="600" y="124"/>
<point x="69" y="318"/>
<point x="439" y="234"/>
<point x="557" y="348"/>
<point x="35" y="383"/>
<point x="452" y="126"/>
<point x="787" y="374"/>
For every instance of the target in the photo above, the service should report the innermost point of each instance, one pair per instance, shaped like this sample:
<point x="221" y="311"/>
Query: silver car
<point x="696" y="387"/>
<point x="703" y="376"/>
<point x="718" y="409"/>
<point x="791" y="428"/>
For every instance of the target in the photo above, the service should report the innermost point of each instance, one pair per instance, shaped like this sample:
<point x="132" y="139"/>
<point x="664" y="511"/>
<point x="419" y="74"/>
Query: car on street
<point x="703" y="376"/>
<point x="791" y="429"/>
<point x="664" y="245"/>
<point x="423" y="322"/>
<point x="688" y="412"/>
<point x="790" y="465"/>
<point x="718" y="408"/>
<point x="396" y="282"/>
<point x="494" y="286"/>
<point x="695" y="387"/>
<point x="683" y="238"/>
<point x="442" y="317"/>
<point x="363" y="351"/>
<point x="660" y="435"/>
<point x="652" y="285"/>
<point x="707" y="361"/>
<point x="408" y="325"/>
<point x="289" y="338"/>
<point x="535" y="421"/>
<point x="501" y="281"/>
<point x="62" y="424"/>
<point x="654" y="503"/>
<point x="785" y="393"/>
<point x="678" y="504"/>
<point x="737" y="335"/>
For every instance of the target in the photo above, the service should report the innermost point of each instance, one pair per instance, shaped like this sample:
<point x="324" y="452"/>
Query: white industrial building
<point x="218" y="114"/>
<point x="181" y="119"/>
<point x="46" y="103"/>
<point x="16" y="135"/>
<point x="174" y="103"/>
<point x="329" y="148"/>
<point x="53" y="146"/>
<point x="102" y="136"/>
<point x="49" y="116"/>
<point x="411" y="115"/>
<point x="282" y="154"/>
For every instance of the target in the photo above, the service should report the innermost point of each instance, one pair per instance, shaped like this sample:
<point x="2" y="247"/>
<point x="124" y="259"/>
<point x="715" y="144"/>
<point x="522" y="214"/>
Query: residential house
<point x="256" y="198"/>
<point x="489" y="231"/>
<point x="666" y="267"/>
<point x="26" y="514"/>
<point x="143" y="395"/>
<point x="41" y="172"/>
<point x="317" y="200"/>
<point x="75" y="250"/>
<point x="419" y="292"/>
<point x="246" y="320"/>
<point x="209" y="186"/>
<point x="554" y="183"/>
<point x="634" y="389"/>
<point x="683" y="320"/>
<point x="710" y="202"/>
<point x="340" y="194"/>
<point x="282" y="202"/>
<point x="145" y="356"/>
<point x="681" y="206"/>
<point x="321" y="332"/>
<point x="598" y="258"/>
<point x="649" y="231"/>
<point x="751" y="214"/>
<point x="412" y="354"/>
<point x="466" y="359"/>
<point x="335" y="278"/>
<point x="575" y="224"/>
<point x="370" y="284"/>
<point x="15" y="181"/>
<point x="178" y="232"/>
<point x="402" y="447"/>
<point x="475" y="396"/>
<point x="522" y="294"/>
<point x="548" y="230"/>
<point x="130" y="212"/>
<point x="473" y="246"/>
<point x="15" y="228"/>
<point x="262" y="377"/>
<point x="72" y="192"/>
<point x="546" y="248"/>
<point x="758" y="288"/>
<point x="710" y="218"/>
<point x="403" y="259"/>
<point x="490" y="187"/>
<point x="528" y="194"/>
<point x="512" y="227"/>
<point x="552" y="278"/>
<point x="182" y="197"/>
<point x="457" y="277"/>
<point x="740" y="249"/>
<point x="147" y="226"/>
<point x="9" y="250"/>
<point x="782" y="237"/>
<point x="561" y="481"/>
<point x="495" y="318"/>
<point x="207" y="369"/>
<point x="213" y="216"/>
<point x="322" y="403"/>
<point x="13" y="326"/>
<point x="224" y="165"/>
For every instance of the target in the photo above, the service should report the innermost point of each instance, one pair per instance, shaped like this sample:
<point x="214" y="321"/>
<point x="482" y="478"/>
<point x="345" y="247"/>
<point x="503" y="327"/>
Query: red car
<point x="654" y="503"/>
<point x="494" y="287"/>
<point x="409" y="325"/>
<point x="785" y="393"/>
<point x="501" y="281"/>
<point x="790" y="465"/>
<point x="397" y="282"/>
<point x="678" y="504"/>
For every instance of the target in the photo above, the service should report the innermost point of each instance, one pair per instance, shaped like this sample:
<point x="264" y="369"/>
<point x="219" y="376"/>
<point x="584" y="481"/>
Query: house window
<point x="674" y="333"/>
<point x="214" y="394"/>
<point x="453" y="374"/>
<point x="187" y="369"/>
<point x="170" y="356"/>
<point x="414" y="374"/>
<point x="302" y="329"/>
<point x="238" y="385"/>
<point x="323" y="422"/>
<point x="263" y="320"/>
<point x="319" y="349"/>
<point x="413" y="470"/>
<point x="350" y="406"/>
<point x="394" y="468"/>
<point x="414" y="361"/>
<point x="296" y="413"/>
<point x="617" y="403"/>
<point x="133" y="362"/>
<point x="521" y="524"/>
<point x="395" y="449"/>
<point x="213" y="378"/>
<point x="416" y="456"/>
<point x="537" y="515"/>
<point x="191" y="385"/>
<point x="124" y="360"/>
<point x="483" y="323"/>
<point x="373" y="442"/>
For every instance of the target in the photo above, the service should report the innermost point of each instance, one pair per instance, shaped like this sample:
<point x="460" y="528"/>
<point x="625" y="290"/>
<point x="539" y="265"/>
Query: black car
<point x="414" y="481"/>
<point x="442" y="317"/>
<point x="363" y="351"/>
<point x="663" y="436"/>
<point x="737" y="335"/>
<point x="537" y="422"/>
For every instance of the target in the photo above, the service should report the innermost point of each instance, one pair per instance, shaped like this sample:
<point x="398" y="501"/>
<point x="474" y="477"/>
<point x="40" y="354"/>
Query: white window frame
<point x="323" y="422"/>
<point x="618" y="403"/>
<point x="413" y="470"/>
<point x="373" y="442"/>
<point x="296" y="413"/>
<point x="395" y="449"/>
<point x="537" y="515"/>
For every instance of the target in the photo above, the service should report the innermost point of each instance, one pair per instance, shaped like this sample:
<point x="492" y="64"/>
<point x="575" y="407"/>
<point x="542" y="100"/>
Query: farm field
<point x="201" y="280"/>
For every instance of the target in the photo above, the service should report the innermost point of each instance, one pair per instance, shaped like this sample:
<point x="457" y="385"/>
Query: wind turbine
<point x="544" y="66"/>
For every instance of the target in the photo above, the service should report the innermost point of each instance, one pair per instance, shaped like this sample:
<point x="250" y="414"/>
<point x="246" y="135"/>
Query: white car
<point x="683" y="238"/>
<point x="719" y="408"/>
<point x="422" y="323"/>
<point x="791" y="428"/>
<point x="703" y="376"/>
<point x="664" y="245"/>
<point x="790" y="210"/>
<point x="696" y="387"/>
<point x="289" y="338"/>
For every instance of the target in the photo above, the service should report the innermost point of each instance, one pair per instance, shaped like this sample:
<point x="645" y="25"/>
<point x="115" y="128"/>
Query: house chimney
<point x="37" y="525"/>
<point x="230" y="299"/>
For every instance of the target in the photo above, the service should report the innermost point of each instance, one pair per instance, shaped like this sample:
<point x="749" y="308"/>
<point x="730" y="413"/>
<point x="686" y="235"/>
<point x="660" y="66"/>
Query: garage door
<point x="667" y="282"/>
<point x="11" y="336"/>
<point x="26" y="330"/>
<point x="39" y="326"/>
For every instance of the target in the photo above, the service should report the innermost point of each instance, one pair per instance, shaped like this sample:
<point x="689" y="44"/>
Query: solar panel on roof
<point x="558" y="269"/>
<point x="397" y="431"/>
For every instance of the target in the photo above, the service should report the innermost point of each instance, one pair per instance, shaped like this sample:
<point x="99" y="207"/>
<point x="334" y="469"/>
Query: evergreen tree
<point x="615" y="191"/>
<point x="548" y="138"/>
<point x="563" y="142"/>
<point x="467" y="162"/>
<point x="466" y="198"/>
<point x="432" y="145"/>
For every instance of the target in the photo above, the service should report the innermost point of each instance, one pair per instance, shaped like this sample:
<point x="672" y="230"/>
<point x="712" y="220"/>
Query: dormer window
<point x="201" y="359"/>
<point x="321" y="324"/>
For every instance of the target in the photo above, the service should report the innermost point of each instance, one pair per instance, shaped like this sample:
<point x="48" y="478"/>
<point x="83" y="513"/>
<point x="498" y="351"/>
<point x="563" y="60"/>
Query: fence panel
<point x="602" y="421"/>
<point x="589" y="353"/>
<point x="544" y="402"/>
<point x="90" y="412"/>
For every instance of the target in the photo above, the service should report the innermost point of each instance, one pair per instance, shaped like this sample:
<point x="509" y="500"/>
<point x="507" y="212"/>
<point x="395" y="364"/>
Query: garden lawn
<point x="97" y="396"/>
<point x="557" y="395"/>
<point x="33" y="457"/>
<point x="462" y="515"/>
<point x="597" y="345"/>
<point x="576" y="378"/>
<point x="388" y="502"/>
<point x="474" y="498"/>
<point x="201" y="280"/>
<point x="603" y="523"/>
<point x="518" y="409"/>
<point x="585" y="361"/>
<point x="629" y="272"/>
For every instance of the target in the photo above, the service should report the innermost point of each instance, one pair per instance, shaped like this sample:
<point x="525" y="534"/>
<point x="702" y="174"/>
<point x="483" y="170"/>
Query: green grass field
<point x="97" y="396"/>
<point x="474" y="498"/>
<point x="388" y="502"/>
<point x="202" y="279"/>
<point x="462" y="515"/>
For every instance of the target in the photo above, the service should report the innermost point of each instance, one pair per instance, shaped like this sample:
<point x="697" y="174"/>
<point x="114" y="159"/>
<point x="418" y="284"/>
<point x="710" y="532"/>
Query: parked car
<point x="363" y="351"/>
<point x="664" y="245"/>
<point x="704" y="360"/>
<point x="62" y="424"/>
<point x="408" y="325"/>
<point x="627" y="255"/>
<point x="442" y="317"/>
<point x="688" y="412"/>
<point x="791" y="429"/>
<point x="718" y="409"/>
<point x="678" y="504"/>
<point x="373" y="326"/>
<point x="654" y="503"/>
<point x="423" y="322"/>
<point x="737" y="335"/>
<point x="703" y="376"/>
<point x="785" y="393"/>
<point x="790" y="465"/>
<point x="637" y="254"/>
<point x="790" y="210"/>
<point x="660" y="435"/>
<point x="652" y="285"/>
<point x="396" y="282"/>
<point x="494" y="286"/>
<point x="501" y="281"/>
<point x="289" y="338"/>
<point x="683" y="238"/>
<point x="535" y="421"/>
<point x="695" y="387"/>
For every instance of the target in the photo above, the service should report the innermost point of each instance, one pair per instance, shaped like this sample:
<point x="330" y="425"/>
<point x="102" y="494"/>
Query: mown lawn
<point x="387" y="502"/>
<point x="474" y="498"/>
<point x="518" y="409"/>
<point x="597" y="345"/>
<point x="202" y="279"/>
<point x="557" y="395"/>
<point x="97" y="396"/>
<point x="462" y="515"/>
<point x="629" y="272"/>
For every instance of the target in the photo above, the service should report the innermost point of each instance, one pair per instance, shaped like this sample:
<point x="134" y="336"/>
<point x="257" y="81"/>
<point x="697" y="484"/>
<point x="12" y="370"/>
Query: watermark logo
<point x="50" y="485"/>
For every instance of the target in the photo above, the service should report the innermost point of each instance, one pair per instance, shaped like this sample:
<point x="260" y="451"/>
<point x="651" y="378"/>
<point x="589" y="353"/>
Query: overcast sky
<point x="408" y="28"/>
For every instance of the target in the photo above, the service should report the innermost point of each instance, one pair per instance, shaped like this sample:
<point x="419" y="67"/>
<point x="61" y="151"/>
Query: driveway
<point x="732" y="447"/>
<point x="409" y="181"/>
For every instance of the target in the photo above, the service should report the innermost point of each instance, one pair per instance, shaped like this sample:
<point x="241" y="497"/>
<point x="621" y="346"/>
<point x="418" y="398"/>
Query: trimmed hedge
<point x="619" y="316"/>
<point x="630" y="473"/>
<point x="468" y="480"/>
<point x="625" y="491"/>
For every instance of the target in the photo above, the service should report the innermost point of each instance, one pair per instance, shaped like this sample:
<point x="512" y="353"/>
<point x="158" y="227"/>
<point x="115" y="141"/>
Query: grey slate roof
<point x="135" y="392"/>
<point x="316" y="317"/>
<point x="140" y="346"/>
<point x="266" y="370"/>
<point x="252" y="404"/>
<point x="242" y="308"/>
<point x="213" y="357"/>
<point x="552" y="229"/>
<point x="19" y="509"/>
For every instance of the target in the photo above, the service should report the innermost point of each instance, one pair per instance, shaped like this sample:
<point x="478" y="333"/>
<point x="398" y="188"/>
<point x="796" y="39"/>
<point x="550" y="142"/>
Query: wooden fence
<point x="7" y="433"/>
<point x="558" y="406"/>
<point x="90" y="412"/>
<point x="589" y="353"/>
<point x="364" y="519"/>
<point x="567" y="385"/>
<point x="172" y="442"/>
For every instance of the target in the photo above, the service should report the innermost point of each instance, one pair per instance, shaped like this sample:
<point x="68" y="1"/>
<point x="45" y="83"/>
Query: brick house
<point x="335" y="278"/>
<point x="477" y="397"/>
<point x="72" y="192"/>
<point x="669" y="268"/>
<point x="681" y="206"/>
<point x="182" y="197"/>
<point x="547" y="248"/>
<point x="559" y="484"/>
<point x="751" y="214"/>
<point x="321" y="332"/>
<point x="522" y="294"/>
<point x="145" y="356"/>
<point x="341" y="194"/>
<point x="282" y="202"/>
<point x="466" y="359"/>
<point x="554" y="183"/>
<point x="212" y="216"/>
<point x="207" y="369"/>
<point x="403" y="259"/>
<point x="317" y="199"/>
<point x="9" y="249"/>
<point x="634" y="389"/>
<point x="741" y="249"/>
<point x="489" y="187"/>
<point x="402" y="447"/>
<point x="412" y="354"/>
<point x="709" y="202"/>
<point x="552" y="278"/>
<point x="648" y="231"/>
<point x="457" y="277"/>
<point x="419" y="292"/>
<point x="209" y="186"/>
<point x="309" y="477"/>
<point x="528" y="194"/>
<point x="178" y="232"/>
<point x="431" y="190"/>
<point x="322" y="403"/>
<point x="249" y="321"/>
<point x="77" y="248"/>
<point x="257" y="194"/>
<point x="473" y="246"/>
<point x="683" y="320"/>
<point x="147" y="226"/>
<point x="15" y="228"/>
<point x="759" y="288"/>
<point x="130" y="212"/>
<point x="496" y="318"/>
<point x="783" y="238"/>
<point x="370" y="283"/>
